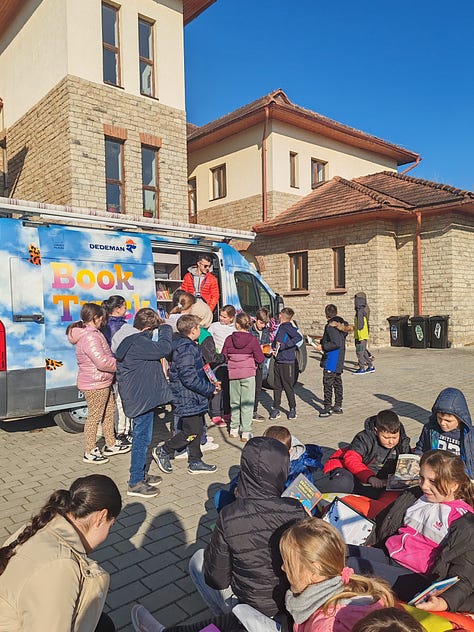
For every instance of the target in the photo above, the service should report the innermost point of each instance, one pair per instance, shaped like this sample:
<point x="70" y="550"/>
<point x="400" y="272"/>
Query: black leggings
<point x="105" y="624"/>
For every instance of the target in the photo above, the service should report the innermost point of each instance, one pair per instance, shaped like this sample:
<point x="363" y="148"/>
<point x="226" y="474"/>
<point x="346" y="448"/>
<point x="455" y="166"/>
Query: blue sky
<point x="401" y="71"/>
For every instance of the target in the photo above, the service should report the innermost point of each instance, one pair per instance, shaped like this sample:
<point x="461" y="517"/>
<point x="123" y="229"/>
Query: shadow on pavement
<point x="30" y="424"/>
<point x="406" y="409"/>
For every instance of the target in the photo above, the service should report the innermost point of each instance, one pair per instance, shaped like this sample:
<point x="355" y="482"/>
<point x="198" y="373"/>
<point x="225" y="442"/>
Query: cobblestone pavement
<point x="149" y="547"/>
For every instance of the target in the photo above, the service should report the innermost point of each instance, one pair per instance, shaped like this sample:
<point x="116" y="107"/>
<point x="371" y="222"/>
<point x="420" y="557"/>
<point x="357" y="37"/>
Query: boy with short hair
<point x="449" y="428"/>
<point x="220" y="331"/>
<point x="261" y="331"/>
<point x="191" y="391"/>
<point x="333" y="346"/>
<point x="284" y="347"/>
<point x="364" y="465"/>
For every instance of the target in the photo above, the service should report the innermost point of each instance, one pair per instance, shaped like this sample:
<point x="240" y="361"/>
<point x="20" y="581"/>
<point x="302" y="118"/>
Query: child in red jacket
<point x="364" y="465"/>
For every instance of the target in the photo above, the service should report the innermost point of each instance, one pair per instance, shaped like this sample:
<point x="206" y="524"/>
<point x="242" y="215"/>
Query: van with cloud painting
<point x="54" y="259"/>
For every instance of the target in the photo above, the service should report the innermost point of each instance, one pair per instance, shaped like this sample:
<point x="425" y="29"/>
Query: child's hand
<point x="378" y="483"/>
<point x="217" y="387"/>
<point x="433" y="604"/>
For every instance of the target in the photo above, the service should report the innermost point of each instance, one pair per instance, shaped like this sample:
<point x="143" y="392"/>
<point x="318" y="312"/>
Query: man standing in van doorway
<point x="200" y="281"/>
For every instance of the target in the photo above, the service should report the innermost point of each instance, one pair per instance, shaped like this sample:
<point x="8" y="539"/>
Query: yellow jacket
<point x="361" y="334"/>
<point x="50" y="585"/>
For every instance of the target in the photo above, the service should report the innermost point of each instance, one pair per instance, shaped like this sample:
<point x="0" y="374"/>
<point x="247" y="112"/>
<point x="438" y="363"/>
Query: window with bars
<point x="146" y="52"/>
<point x="110" y="44"/>
<point x="318" y="172"/>
<point x="293" y="169"/>
<point x="218" y="180"/>
<point x="339" y="261"/>
<point x="114" y="175"/>
<point x="192" y="200"/>
<point x="298" y="271"/>
<point x="150" y="181"/>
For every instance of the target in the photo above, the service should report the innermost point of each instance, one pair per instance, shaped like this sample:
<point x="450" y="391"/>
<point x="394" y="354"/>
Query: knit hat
<point x="202" y="309"/>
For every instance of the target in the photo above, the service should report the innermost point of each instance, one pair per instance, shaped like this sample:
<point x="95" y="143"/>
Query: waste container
<point x="398" y="330"/>
<point x="439" y="332"/>
<point x="420" y="328"/>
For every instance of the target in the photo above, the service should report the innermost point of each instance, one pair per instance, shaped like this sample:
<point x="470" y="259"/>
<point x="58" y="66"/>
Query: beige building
<point x="93" y="110"/>
<point x="326" y="229"/>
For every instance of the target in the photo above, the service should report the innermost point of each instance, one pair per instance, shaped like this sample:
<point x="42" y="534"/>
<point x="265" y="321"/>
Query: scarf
<point x="302" y="606"/>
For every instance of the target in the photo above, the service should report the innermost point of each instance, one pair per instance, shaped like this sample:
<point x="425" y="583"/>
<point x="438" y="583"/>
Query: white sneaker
<point x="117" y="448"/>
<point x="207" y="447"/>
<point x="245" y="436"/>
<point x="209" y="439"/>
<point x="233" y="433"/>
<point x="144" y="621"/>
<point x="95" y="457"/>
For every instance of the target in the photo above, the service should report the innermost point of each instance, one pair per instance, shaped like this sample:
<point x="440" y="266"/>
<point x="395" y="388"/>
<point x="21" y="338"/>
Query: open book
<point x="312" y="342"/>
<point x="354" y="527"/>
<point x="407" y="473"/>
<point x="434" y="590"/>
<point x="303" y="490"/>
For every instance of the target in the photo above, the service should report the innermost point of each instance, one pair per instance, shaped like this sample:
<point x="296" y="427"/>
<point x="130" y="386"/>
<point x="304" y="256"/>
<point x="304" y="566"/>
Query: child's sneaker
<point x="95" y="456"/>
<point x="292" y="414"/>
<point x="152" y="480"/>
<point x="162" y="459"/>
<point x="124" y="439"/>
<point x="275" y="413"/>
<point x="142" y="489"/>
<point x="219" y="422"/>
<point x="233" y="433"/>
<point x="208" y="446"/>
<point x="360" y="372"/>
<point x="326" y="412"/>
<point x="144" y="621"/>
<point x="117" y="448"/>
<point x="337" y="410"/>
<point x="199" y="467"/>
<point x="257" y="417"/>
<point x="370" y="369"/>
<point x="246" y="436"/>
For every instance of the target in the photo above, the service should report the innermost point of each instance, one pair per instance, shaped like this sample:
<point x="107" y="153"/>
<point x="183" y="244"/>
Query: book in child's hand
<point x="407" y="473"/>
<point x="266" y="348"/>
<point x="434" y="590"/>
<point x="211" y="376"/>
<point x="303" y="490"/>
<point x="312" y="342"/>
<point x="354" y="527"/>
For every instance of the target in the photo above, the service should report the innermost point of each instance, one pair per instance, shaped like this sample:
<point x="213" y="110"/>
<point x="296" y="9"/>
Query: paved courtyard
<point x="149" y="547"/>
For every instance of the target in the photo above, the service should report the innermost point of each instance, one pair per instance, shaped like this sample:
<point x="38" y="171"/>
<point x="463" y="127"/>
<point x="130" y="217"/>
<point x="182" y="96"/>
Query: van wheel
<point x="72" y="420"/>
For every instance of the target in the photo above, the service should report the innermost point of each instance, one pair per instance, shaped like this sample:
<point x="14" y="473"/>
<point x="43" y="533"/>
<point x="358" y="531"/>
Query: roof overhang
<point x="307" y="121"/>
<point x="10" y="8"/>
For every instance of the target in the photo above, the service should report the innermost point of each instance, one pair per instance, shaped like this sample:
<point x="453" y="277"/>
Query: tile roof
<point x="384" y="193"/>
<point x="282" y="108"/>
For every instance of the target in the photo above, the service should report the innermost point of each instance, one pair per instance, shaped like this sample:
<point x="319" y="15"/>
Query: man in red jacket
<point x="200" y="281"/>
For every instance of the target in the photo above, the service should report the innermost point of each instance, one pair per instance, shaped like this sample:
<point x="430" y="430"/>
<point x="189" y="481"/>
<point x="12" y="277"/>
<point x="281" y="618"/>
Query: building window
<point x="192" y="200"/>
<point x="146" y="48"/>
<point x="219" y="186"/>
<point x="318" y="172"/>
<point x="150" y="188"/>
<point x="339" y="258"/>
<point x="110" y="44"/>
<point x="114" y="175"/>
<point x="299" y="271"/>
<point x="293" y="169"/>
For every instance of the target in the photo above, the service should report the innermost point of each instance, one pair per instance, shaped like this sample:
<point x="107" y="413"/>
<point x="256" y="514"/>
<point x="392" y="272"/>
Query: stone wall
<point x="57" y="155"/>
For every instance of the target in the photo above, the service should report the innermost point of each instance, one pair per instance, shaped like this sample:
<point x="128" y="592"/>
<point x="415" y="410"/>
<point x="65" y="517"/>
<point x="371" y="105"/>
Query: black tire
<point x="72" y="420"/>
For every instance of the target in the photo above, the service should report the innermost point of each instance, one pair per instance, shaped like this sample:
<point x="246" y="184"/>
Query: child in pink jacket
<point x="243" y="354"/>
<point x="96" y="372"/>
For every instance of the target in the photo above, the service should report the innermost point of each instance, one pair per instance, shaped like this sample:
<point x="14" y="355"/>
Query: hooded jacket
<point x="361" y="320"/>
<point x="333" y="344"/>
<point x="365" y="451"/>
<point x="141" y="382"/>
<point x="94" y="359"/>
<point x="50" y="585"/>
<point x="288" y="337"/>
<point x="453" y="402"/>
<point x="244" y="549"/>
<point x="243" y="353"/>
<point x="190" y="387"/>
<point x="113" y="325"/>
<point x="208" y="288"/>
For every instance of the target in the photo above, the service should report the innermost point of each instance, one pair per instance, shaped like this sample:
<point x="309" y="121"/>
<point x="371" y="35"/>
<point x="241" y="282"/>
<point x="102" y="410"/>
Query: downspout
<point x="264" y="166"/>
<point x="419" y="288"/>
<point x="3" y="145"/>
<point x="415" y="164"/>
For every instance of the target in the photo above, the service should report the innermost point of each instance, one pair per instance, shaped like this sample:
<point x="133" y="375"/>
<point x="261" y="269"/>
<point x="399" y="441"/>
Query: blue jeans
<point x="142" y="434"/>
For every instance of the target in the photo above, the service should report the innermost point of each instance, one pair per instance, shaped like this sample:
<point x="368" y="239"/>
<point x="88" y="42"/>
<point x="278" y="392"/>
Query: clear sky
<point x="402" y="71"/>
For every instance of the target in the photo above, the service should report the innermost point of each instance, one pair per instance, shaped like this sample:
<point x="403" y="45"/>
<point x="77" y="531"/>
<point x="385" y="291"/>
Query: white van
<point x="54" y="259"/>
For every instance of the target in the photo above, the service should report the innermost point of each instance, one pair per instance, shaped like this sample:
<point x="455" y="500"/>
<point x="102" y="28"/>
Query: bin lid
<point x="445" y="317"/>
<point x="398" y="317"/>
<point x="419" y="318"/>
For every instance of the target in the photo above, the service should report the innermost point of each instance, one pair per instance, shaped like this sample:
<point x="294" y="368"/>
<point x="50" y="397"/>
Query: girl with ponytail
<point x="47" y="582"/>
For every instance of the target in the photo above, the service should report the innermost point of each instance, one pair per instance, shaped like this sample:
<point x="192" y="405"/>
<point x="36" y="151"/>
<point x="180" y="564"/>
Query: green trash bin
<point x="439" y="332"/>
<point x="398" y="330"/>
<point x="420" y="330"/>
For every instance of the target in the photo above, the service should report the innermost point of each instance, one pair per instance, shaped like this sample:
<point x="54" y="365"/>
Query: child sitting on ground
<point x="449" y="428"/>
<point x="364" y="465"/>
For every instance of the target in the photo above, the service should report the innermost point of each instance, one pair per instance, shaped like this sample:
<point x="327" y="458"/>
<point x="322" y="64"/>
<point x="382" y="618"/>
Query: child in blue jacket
<point x="284" y="345"/>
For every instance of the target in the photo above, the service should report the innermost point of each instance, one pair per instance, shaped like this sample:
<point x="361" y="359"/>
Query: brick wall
<point x="57" y="149"/>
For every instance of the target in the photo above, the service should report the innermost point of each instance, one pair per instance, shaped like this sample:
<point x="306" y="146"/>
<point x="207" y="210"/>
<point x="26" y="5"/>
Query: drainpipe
<point x="264" y="166"/>
<point x="3" y="145"/>
<point x="419" y="288"/>
<point x="415" y="164"/>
